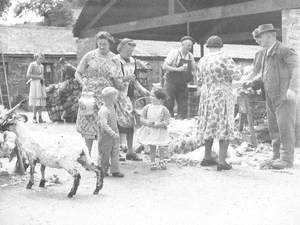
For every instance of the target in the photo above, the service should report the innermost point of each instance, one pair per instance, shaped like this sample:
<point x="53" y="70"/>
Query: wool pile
<point x="62" y="100"/>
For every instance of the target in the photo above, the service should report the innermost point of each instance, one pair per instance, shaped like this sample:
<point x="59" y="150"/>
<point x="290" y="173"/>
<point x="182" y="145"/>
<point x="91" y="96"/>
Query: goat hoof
<point x="70" y="195"/>
<point x="96" y="192"/>
<point x="29" y="185"/>
<point x="42" y="183"/>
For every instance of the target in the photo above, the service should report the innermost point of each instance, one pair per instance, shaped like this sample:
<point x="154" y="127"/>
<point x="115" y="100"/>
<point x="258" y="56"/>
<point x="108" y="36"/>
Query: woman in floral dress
<point x="124" y="107"/>
<point x="216" y="108"/>
<point x="95" y="72"/>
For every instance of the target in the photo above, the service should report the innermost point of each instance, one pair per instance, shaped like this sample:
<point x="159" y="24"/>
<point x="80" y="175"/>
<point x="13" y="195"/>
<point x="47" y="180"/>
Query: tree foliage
<point x="55" y="12"/>
<point x="4" y="5"/>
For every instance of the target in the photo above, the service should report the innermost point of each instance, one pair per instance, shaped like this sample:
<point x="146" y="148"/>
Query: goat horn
<point x="13" y="109"/>
<point x="24" y="116"/>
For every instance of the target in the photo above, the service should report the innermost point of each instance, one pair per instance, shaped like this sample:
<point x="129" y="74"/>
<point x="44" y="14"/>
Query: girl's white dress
<point x="150" y="135"/>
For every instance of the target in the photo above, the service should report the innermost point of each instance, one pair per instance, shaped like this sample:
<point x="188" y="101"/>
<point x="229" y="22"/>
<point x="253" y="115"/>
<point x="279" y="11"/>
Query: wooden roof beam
<point x="101" y="13"/>
<point x="220" y="12"/>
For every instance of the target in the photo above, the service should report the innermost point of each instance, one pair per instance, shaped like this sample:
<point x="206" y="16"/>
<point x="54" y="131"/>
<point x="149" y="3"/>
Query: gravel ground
<point x="185" y="196"/>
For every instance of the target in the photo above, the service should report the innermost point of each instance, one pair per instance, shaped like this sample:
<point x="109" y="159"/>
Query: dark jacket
<point x="281" y="71"/>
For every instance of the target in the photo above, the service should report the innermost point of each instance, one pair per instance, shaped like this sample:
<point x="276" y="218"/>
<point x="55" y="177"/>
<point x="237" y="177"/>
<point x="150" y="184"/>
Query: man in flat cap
<point x="281" y="81"/>
<point x="180" y="68"/>
<point x="67" y="70"/>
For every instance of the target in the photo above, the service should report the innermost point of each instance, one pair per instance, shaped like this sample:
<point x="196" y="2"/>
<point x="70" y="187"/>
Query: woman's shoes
<point x="41" y="120"/>
<point x="38" y="121"/>
<point x="154" y="166"/>
<point x="162" y="164"/>
<point x="208" y="162"/>
<point x="159" y="166"/>
<point x="224" y="167"/>
<point x="34" y="120"/>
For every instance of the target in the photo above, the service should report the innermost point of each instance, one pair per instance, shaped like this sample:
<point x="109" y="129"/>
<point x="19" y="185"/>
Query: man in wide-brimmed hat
<point x="281" y="80"/>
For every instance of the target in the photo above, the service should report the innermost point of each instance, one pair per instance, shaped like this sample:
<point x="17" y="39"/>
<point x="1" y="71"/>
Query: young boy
<point x="108" y="137"/>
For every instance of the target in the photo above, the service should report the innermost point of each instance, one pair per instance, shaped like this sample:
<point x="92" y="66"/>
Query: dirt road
<point x="185" y="196"/>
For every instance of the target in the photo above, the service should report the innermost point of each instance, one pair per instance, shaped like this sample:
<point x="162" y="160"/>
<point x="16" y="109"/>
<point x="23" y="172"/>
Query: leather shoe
<point x="118" y="174"/>
<point x="279" y="164"/>
<point x="224" y="167"/>
<point x="208" y="162"/>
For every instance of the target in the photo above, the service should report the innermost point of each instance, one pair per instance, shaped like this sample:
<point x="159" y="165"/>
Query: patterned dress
<point x="216" y="108"/>
<point x="124" y="106"/>
<point x="98" y="70"/>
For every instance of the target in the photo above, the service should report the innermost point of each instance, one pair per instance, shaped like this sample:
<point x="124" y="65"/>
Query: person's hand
<point x="149" y="124"/>
<point x="182" y="68"/>
<point x="290" y="94"/>
<point x="116" y="137"/>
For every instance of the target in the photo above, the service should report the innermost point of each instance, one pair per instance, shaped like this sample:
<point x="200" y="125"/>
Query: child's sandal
<point x="162" y="165"/>
<point x="154" y="166"/>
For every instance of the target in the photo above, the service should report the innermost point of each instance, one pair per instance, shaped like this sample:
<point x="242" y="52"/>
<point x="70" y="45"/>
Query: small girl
<point x="155" y="119"/>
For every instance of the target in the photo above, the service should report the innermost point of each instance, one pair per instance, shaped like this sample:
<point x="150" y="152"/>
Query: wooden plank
<point x="6" y="80"/>
<point x="101" y="13"/>
<point x="171" y="7"/>
<point x="220" y="12"/>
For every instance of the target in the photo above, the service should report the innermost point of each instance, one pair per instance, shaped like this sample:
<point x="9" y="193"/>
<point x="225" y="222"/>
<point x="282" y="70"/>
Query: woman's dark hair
<point x="105" y="35"/>
<point x="160" y="94"/>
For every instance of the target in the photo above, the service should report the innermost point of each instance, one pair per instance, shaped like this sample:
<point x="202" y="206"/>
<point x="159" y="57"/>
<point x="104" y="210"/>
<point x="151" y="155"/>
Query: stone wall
<point x="291" y="37"/>
<point x="16" y="70"/>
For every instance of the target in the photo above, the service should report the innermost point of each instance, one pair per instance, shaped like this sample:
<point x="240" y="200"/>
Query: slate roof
<point x="31" y="39"/>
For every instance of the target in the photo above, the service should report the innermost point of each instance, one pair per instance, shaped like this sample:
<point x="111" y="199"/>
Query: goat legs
<point x="76" y="183"/>
<point x="43" y="180"/>
<point x="99" y="174"/>
<point x="31" y="180"/>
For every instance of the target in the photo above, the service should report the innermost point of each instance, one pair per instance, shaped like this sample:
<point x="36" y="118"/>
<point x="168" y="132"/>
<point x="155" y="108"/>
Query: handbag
<point x="131" y="86"/>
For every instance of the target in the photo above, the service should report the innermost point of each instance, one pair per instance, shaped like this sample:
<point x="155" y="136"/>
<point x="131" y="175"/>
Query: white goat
<point x="57" y="156"/>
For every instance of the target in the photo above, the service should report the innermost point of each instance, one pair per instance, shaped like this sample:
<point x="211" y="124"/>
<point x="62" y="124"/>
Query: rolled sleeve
<point x="171" y="58"/>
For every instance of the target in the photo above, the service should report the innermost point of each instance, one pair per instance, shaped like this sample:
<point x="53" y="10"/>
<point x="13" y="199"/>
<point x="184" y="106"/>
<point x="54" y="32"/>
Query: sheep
<point x="57" y="156"/>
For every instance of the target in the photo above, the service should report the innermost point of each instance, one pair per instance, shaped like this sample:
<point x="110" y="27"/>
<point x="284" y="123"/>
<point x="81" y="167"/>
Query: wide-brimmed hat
<point x="125" y="41"/>
<point x="264" y="28"/>
<point x="214" y="42"/>
<point x="254" y="33"/>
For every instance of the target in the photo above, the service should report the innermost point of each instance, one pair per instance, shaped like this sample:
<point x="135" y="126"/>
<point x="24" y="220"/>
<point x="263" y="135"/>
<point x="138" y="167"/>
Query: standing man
<point x="180" y="68"/>
<point x="281" y="79"/>
<point x="67" y="70"/>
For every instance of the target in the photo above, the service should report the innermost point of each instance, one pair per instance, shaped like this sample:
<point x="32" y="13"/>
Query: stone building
<point x="20" y="43"/>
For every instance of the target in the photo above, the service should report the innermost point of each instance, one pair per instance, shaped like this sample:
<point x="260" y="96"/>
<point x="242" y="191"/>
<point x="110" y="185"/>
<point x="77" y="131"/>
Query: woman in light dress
<point x="37" y="92"/>
<point x="95" y="72"/>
